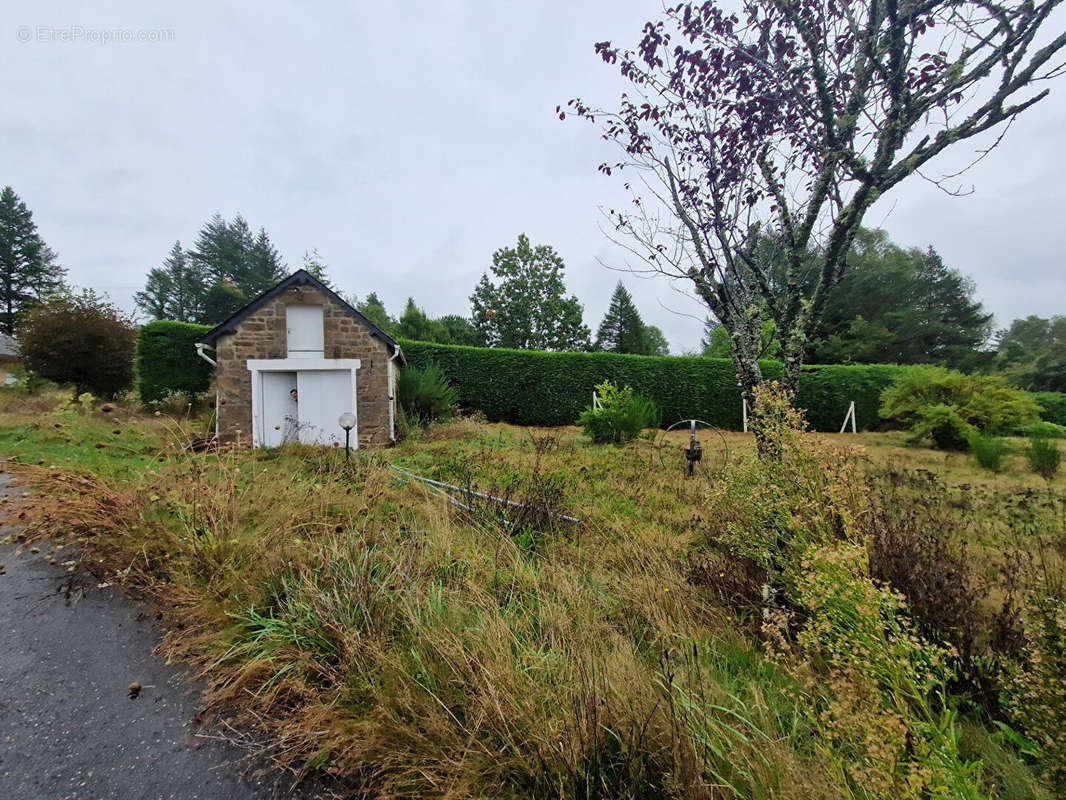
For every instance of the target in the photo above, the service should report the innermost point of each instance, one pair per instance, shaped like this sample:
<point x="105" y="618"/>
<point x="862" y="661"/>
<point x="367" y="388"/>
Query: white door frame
<point x="260" y="365"/>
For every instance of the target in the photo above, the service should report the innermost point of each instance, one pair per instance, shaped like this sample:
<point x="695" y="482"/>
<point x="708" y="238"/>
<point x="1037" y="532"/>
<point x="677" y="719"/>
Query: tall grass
<point x="379" y="633"/>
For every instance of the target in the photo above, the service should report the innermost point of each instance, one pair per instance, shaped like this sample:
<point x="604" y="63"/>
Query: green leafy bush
<point x="166" y="362"/>
<point x="619" y="415"/>
<point x="1044" y="457"/>
<point x="1052" y="406"/>
<point x="527" y="387"/>
<point x="949" y="407"/>
<point x="426" y="395"/>
<point x="944" y="427"/>
<point x="989" y="451"/>
<point x="1045" y="430"/>
<point x="80" y="340"/>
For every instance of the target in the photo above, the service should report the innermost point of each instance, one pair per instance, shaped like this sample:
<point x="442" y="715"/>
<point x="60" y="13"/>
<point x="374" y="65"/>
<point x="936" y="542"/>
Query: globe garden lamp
<point x="347" y="421"/>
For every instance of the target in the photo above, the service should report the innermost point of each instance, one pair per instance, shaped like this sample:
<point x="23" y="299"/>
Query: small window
<point x="304" y="332"/>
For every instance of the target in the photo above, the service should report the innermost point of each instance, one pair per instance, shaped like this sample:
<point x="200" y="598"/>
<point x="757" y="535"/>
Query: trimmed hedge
<point x="528" y="387"/>
<point x="534" y="388"/>
<point x="166" y="362"/>
<point x="1053" y="405"/>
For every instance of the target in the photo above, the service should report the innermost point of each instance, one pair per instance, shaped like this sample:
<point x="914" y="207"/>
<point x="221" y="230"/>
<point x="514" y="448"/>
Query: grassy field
<point x="729" y="635"/>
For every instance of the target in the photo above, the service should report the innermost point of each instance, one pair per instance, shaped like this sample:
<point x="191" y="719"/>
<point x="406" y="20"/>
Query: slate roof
<point x="299" y="278"/>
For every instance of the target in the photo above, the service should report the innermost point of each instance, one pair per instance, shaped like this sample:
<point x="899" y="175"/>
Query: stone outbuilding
<point x="296" y="358"/>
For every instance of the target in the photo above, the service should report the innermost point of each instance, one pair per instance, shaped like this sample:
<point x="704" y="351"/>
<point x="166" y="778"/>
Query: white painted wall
<point x="324" y="396"/>
<point x="279" y="410"/>
<point x="326" y="389"/>
<point x="304" y="331"/>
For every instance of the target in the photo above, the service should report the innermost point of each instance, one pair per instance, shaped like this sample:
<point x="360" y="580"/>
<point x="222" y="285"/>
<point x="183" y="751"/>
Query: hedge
<point x="166" y="362"/>
<point x="1053" y="405"/>
<point x="534" y="388"/>
<point x="528" y="387"/>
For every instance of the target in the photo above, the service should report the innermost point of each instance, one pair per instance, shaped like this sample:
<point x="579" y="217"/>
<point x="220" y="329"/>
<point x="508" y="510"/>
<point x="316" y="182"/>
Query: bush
<point x="1045" y="430"/>
<point x="1052" y="406"/>
<point x="426" y="395"/>
<point x="527" y="387"/>
<point x="166" y="361"/>
<point x="989" y="451"/>
<point x="949" y="407"/>
<point x="942" y="425"/>
<point x="1044" y="457"/>
<point x="81" y="340"/>
<point x="620" y="415"/>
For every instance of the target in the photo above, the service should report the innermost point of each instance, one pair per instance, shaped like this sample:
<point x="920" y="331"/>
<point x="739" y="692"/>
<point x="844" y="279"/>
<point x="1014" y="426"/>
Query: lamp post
<point x="347" y="421"/>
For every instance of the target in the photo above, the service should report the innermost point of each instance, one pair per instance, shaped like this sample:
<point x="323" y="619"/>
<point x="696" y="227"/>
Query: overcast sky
<point x="407" y="143"/>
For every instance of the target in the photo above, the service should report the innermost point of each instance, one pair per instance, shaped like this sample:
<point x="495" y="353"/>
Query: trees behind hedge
<point x="82" y="340"/>
<point x="228" y="266"/>
<point x="526" y="307"/>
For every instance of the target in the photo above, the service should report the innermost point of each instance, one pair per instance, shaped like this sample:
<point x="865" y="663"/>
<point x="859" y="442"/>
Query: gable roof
<point x="299" y="278"/>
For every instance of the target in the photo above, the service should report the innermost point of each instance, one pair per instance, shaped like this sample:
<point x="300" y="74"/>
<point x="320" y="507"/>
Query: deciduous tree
<point x="788" y="120"/>
<point x="79" y="339"/>
<point x="527" y="308"/>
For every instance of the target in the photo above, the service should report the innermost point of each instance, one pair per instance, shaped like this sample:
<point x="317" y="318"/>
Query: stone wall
<point x="262" y="335"/>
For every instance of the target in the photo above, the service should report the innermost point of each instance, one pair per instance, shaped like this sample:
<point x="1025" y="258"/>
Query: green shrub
<point x="81" y="340"/>
<point x="1052" y="406"/>
<point x="426" y="395"/>
<point x="527" y="387"/>
<point x="166" y="362"/>
<point x="949" y="407"/>
<point x="989" y="451"/>
<point x="1044" y="457"/>
<point x="1045" y="430"/>
<point x="618" y="416"/>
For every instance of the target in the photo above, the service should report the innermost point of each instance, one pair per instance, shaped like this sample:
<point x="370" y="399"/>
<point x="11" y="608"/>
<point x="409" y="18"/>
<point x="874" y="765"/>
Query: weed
<point x="989" y="451"/>
<point x="1044" y="457"/>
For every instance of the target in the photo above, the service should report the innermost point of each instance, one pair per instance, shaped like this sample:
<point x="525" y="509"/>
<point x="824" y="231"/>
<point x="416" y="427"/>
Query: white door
<point x="279" y="422"/>
<point x="324" y="396"/>
<point x="304" y="332"/>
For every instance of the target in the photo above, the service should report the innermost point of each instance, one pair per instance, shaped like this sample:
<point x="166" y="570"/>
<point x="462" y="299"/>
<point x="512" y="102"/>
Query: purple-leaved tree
<point x="785" y="122"/>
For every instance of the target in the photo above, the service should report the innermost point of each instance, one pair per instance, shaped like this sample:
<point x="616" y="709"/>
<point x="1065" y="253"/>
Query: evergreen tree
<point x="414" y="324"/>
<point x="313" y="263"/>
<point x="231" y="257"/>
<point x="459" y="330"/>
<point x="28" y="269"/>
<point x="527" y="308"/>
<point x="177" y="290"/>
<point x="622" y="329"/>
<point x="374" y="310"/>
<point x="220" y="301"/>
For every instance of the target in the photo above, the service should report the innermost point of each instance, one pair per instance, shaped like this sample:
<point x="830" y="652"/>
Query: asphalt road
<point x="68" y="728"/>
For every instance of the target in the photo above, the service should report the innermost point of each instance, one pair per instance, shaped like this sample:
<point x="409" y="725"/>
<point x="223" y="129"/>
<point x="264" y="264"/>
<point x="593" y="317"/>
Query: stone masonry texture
<point x="262" y="335"/>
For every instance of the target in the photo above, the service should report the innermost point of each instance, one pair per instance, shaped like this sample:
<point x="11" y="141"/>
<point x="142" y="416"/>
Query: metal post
<point x="347" y="439"/>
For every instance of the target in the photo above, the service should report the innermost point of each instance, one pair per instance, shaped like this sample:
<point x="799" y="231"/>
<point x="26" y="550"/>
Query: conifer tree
<point x="177" y="290"/>
<point x="622" y="329"/>
<point x="28" y="269"/>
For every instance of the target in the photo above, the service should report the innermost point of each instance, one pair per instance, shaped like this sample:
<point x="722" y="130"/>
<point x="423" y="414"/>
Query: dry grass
<point x="379" y="633"/>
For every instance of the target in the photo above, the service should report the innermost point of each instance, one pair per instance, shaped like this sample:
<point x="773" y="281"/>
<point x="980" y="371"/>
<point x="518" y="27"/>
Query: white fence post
<point x="849" y="416"/>
<point x="744" y="410"/>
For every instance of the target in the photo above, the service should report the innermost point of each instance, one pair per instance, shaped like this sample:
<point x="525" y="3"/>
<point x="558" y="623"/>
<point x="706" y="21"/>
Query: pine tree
<point x="28" y="269"/>
<point x="176" y="290"/>
<point x="528" y="308"/>
<point x="313" y="263"/>
<point x="228" y="253"/>
<point x="622" y="329"/>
